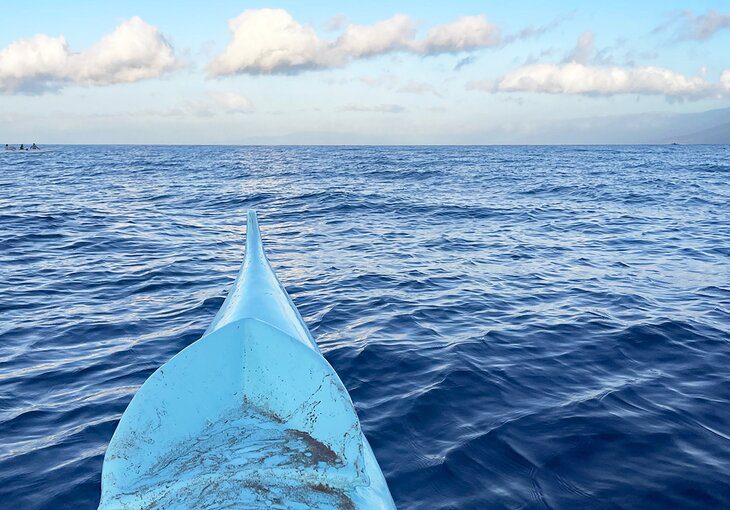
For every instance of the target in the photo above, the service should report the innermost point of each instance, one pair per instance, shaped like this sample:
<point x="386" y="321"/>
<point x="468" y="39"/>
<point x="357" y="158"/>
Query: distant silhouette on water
<point x="22" y="147"/>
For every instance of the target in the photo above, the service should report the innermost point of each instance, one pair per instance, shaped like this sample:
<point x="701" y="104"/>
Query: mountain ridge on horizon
<point x="708" y="127"/>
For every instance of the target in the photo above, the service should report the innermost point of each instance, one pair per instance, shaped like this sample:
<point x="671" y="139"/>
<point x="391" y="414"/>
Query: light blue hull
<point x="249" y="416"/>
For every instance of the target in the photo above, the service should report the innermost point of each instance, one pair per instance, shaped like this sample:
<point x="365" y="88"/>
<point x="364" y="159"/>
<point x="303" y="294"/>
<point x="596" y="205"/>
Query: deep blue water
<point x="519" y="327"/>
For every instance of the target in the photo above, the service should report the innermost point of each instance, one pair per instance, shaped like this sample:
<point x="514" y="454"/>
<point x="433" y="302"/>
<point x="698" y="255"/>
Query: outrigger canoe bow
<point x="250" y="416"/>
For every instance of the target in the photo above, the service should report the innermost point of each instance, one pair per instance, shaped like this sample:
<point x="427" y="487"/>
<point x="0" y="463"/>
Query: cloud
<point x="389" y="81"/>
<point x="466" y="61"/>
<point x="482" y="85"/>
<point x="336" y="22"/>
<point x="689" y="26"/>
<point x="134" y="51"/>
<point x="536" y="31"/>
<point x="358" y="41"/>
<point x="583" y="49"/>
<point x="414" y="87"/>
<point x="585" y="71"/>
<point x="271" y="41"/>
<point x="532" y="58"/>
<point x="701" y="28"/>
<point x="380" y="108"/>
<point x="465" y="34"/>
<point x="576" y="78"/>
<point x="386" y="80"/>
<point x="232" y="102"/>
<point x="214" y="103"/>
<point x="585" y="52"/>
<point x="725" y="79"/>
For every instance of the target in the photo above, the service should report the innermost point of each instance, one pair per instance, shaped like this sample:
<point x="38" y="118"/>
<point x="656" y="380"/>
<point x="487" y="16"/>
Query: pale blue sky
<point x="401" y="94"/>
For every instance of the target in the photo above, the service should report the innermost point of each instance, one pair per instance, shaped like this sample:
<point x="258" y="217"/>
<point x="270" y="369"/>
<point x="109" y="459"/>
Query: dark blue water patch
<point x="519" y="327"/>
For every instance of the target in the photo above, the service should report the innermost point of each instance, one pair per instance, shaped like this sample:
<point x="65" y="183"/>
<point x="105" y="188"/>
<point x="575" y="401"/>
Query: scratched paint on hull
<point x="246" y="456"/>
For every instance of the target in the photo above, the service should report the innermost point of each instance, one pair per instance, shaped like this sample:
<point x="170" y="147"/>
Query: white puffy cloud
<point x="588" y="72"/>
<point x="360" y="41"/>
<point x="725" y="80"/>
<point x="271" y="41"/>
<point x="33" y="64"/>
<point x="464" y="34"/>
<point x="576" y="78"/>
<point x="134" y="51"/>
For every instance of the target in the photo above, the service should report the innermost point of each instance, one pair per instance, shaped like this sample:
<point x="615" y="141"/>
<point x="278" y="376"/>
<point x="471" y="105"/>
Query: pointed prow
<point x="258" y="294"/>
<point x="254" y="246"/>
<point x="251" y="409"/>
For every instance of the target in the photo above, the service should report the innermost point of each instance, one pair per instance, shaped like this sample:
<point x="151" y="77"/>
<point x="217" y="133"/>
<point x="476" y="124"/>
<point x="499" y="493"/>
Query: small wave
<point x="518" y="327"/>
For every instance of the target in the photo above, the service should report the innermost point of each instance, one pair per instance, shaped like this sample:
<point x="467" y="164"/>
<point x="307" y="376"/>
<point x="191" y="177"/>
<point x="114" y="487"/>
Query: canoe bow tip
<point x="254" y="245"/>
<point x="251" y="218"/>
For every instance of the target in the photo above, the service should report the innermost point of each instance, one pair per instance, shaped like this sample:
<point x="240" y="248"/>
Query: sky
<point x="237" y="72"/>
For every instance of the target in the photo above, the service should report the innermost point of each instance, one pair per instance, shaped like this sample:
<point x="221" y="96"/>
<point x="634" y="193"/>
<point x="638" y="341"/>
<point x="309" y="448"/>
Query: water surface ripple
<point x="519" y="327"/>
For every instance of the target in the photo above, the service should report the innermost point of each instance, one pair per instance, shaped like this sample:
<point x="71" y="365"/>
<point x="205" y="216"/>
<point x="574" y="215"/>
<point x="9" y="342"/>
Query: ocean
<point x="519" y="327"/>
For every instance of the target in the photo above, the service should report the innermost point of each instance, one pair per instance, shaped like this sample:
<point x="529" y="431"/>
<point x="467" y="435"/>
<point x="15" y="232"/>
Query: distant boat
<point x="24" y="150"/>
<point x="249" y="416"/>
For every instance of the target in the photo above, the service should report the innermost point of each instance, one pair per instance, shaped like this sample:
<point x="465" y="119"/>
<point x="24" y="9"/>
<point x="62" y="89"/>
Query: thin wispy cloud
<point x="416" y="87"/>
<point x="533" y="58"/>
<point x="585" y="52"/>
<point x="214" y="103"/>
<point x="463" y="62"/>
<point x="583" y="49"/>
<point x="387" y="80"/>
<point x="378" y="108"/>
<point x="134" y="51"/>
<point x="688" y="26"/>
<point x="231" y="102"/>
<point x="536" y="31"/>
<point x="336" y="22"/>
<point x="391" y="82"/>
